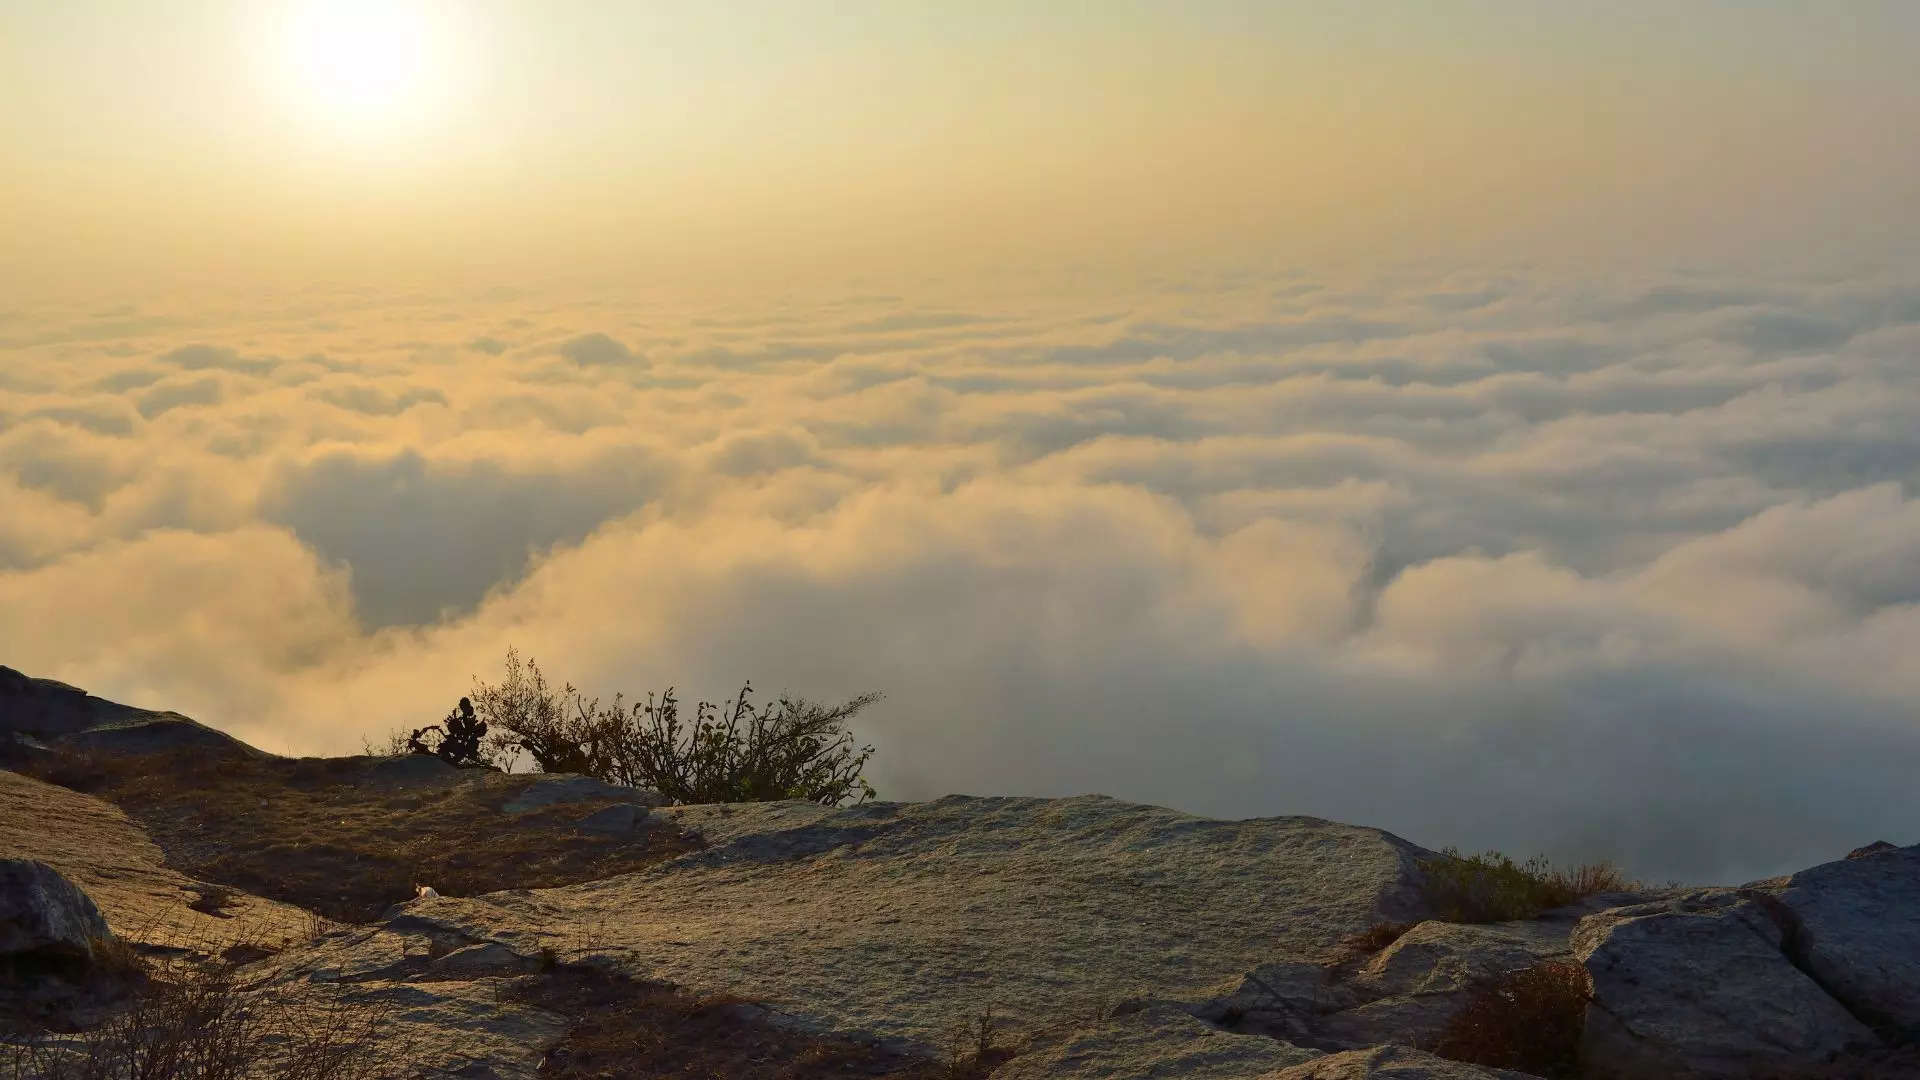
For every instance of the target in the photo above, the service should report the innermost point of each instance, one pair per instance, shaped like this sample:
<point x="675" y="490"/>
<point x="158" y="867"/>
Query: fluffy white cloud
<point x="1602" y="569"/>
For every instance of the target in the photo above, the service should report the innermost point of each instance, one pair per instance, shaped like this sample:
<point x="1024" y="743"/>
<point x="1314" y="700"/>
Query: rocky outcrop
<point x="45" y="916"/>
<point x="1701" y="986"/>
<point x="895" y="921"/>
<point x="1223" y="941"/>
<point x="1854" y="927"/>
<point x="92" y="844"/>
<point x="39" y="713"/>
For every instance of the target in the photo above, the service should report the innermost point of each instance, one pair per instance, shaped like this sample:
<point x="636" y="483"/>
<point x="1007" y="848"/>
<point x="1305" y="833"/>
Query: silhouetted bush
<point x="456" y="740"/>
<point x="1491" y="887"/>
<point x="788" y="749"/>
<point x="1529" y="1020"/>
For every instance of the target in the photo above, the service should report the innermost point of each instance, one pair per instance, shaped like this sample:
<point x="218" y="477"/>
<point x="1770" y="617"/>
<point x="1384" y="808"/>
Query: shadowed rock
<point x="1856" y="930"/>
<point x="43" y="915"/>
<point x="38" y="713"/>
<point x="1700" y="986"/>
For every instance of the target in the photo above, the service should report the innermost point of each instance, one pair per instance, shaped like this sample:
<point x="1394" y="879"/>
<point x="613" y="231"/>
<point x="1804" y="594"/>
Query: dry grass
<point x="1375" y="937"/>
<point x="334" y="837"/>
<point x="1529" y="1020"/>
<point x="1493" y="888"/>
<point x="192" y="1021"/>
<point x="651" y="1031"/>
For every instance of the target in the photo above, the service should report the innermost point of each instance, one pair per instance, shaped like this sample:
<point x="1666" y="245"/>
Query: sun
<point x="366" y="67"/>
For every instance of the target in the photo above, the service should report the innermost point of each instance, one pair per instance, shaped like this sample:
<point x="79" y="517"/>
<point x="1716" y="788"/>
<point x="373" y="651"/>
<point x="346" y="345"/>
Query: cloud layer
<point x="1617" y="567"/>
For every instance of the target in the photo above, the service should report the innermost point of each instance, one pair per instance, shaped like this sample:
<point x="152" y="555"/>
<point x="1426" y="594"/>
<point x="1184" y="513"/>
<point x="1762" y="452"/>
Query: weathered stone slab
<point x="1857" y="932"/>
<point x="1700" y="986"/>
<point x="896" y="921"/>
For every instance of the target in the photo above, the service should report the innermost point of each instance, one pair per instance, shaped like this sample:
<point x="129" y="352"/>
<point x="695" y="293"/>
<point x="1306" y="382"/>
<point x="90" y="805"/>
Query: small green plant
<point x="1491" y="887"/>
<point x="1529" y="1020"/>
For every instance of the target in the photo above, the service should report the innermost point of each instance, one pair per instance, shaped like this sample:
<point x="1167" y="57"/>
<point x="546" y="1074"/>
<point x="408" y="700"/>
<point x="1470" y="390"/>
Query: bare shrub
<point x="973" y="1048"/>
<point x="1529" y="1020"/>
<point x="394" y="746"/>
<point x="1491" y="887"/>
<point x="739" y="752"/>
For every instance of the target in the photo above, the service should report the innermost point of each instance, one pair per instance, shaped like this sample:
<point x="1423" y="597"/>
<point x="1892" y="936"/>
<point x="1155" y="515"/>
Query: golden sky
<point x="289" y="137"/>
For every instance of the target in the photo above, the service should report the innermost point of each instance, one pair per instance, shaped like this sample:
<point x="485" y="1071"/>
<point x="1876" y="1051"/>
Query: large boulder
<point x="1699" y="986"/>
<point x="1855" y="928"/>
<point x="45" y="916"/>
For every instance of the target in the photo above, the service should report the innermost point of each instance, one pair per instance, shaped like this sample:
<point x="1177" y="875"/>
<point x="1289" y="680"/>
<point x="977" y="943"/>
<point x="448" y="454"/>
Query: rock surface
<point x="445" y="1012"/>
<point x="44" y="915"/>
<point x="1390" y="1063"/>
<point x="1856" y="931"/>
<point x="554" y="788"/>
<point x="1161" y="1040"/>
<point x="112" y="860"/>
<point x="896" y="921"/>
<point x="616" y="820"/>
<point x="42" y="712"/>
<point x="1409" y="991"/>
<point x="1700" y="986"/>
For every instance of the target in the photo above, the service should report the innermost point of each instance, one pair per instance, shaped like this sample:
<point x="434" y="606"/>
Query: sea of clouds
<point x="1602" y="564"/>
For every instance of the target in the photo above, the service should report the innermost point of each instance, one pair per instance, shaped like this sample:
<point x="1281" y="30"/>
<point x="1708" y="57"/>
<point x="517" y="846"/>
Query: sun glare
<point x="364" y="67"/>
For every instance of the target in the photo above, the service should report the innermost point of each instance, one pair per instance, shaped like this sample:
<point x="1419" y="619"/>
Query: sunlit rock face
<point x="890" y="920"/>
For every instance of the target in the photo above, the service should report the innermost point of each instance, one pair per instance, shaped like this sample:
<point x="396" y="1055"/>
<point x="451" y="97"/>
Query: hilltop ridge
<point x="1088" y="937"/>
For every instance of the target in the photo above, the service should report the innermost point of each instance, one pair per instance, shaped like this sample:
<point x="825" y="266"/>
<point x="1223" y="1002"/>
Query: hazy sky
<point x="683" y="138"/>
<point x="1497" y="422"/>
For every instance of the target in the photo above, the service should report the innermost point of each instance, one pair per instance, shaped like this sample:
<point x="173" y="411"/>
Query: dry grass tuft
<point x="1529" y="1020"/>
<point x="1493" y="888"/>
<point x="1376" y="937"/>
